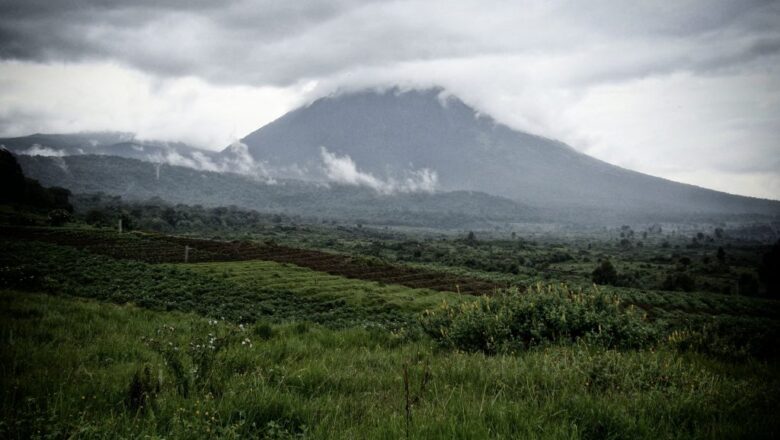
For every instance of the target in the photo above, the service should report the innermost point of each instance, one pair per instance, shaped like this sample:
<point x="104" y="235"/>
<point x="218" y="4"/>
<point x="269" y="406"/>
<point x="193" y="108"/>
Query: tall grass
<point x="70" y="368"/>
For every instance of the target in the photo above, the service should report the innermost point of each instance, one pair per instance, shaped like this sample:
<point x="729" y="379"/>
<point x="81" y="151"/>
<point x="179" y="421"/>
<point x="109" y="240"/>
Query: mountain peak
<point x="395" y="134"/>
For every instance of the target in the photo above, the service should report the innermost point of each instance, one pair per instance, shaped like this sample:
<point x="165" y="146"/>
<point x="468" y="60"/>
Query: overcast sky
<point x="688" y="90"/>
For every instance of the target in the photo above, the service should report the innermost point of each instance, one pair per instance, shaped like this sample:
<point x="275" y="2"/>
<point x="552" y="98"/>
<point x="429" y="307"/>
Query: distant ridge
<point x="100" y="143"/>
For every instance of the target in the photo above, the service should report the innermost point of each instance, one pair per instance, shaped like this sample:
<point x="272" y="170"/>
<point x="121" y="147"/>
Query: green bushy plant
<point x="513" y="321"/>
<point x="605" y="273"/>
<point x="191" y="361"/>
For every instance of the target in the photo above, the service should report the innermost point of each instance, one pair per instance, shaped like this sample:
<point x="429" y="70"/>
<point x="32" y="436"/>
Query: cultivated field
<point x="76" y="368"/>
<point x="154" y="248"/>
<point x="106" y="335"/>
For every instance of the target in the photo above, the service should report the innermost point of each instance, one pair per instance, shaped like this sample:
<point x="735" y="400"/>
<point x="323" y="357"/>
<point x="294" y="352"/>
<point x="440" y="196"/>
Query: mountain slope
<point x="137" y="180"/>
<point x="390" y="134"/>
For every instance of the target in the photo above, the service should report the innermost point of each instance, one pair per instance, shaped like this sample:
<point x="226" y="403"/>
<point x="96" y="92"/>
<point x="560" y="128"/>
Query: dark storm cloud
<point x="226" y="41"/>
<point x="278" y="42"/>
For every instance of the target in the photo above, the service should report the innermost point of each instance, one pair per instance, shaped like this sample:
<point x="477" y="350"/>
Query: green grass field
<point x="95" y="346"/>
<point x="69" y="365"/>
<point x="269" y="275"/>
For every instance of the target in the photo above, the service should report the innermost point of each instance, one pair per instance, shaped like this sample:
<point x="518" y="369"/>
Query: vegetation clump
<point x="514" y="321"/>
<point x="605" y="273"/>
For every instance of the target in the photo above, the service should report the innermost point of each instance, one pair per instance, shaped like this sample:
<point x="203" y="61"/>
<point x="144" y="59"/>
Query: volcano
<point x="391" y="135"/>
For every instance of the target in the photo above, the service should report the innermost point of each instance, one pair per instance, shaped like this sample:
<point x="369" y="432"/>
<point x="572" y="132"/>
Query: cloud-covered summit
<point x="686" y="90"/>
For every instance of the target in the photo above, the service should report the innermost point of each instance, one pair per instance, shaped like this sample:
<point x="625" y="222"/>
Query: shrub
<point x="605" y="273"/>
<point x="514" y="321"/>
<point x="192" y="363"/>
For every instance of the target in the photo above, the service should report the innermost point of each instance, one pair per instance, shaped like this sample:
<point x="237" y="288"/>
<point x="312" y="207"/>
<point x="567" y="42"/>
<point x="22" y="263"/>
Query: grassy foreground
<point x="78" y="368"/>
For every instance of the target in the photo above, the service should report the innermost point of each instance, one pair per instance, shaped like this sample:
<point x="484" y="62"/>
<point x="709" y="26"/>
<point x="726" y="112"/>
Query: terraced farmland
<point x="337" y="264"/>
<point x="261" y="276"/>
<point x="153" y="248"/>
<point x="130" y="246"/>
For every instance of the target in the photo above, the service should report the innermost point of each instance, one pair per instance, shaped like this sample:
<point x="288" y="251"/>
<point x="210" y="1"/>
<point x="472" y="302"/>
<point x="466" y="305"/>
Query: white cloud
<point x="648" y="85"/>
<point x="38" y="150"/>
<point x="66" y="98"/>
<point x="718" y="131"/>
<point x="343" y="170"/>
<point x="236" y="159"/>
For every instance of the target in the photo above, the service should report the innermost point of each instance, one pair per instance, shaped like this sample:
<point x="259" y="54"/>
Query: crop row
<point x="341" y="265"/>
<point x="130" y="246"/>
<point x="171" y="249"/>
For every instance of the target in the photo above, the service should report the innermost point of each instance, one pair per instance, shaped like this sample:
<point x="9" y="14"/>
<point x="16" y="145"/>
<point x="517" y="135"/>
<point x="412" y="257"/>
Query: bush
<point x="542" y="315"/>
<point x="605" y="273"/>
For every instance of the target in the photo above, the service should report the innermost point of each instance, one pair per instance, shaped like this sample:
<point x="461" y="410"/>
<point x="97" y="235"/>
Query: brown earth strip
<point x="154" y="248"/>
